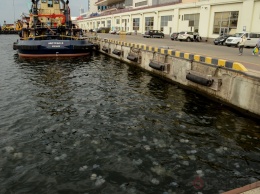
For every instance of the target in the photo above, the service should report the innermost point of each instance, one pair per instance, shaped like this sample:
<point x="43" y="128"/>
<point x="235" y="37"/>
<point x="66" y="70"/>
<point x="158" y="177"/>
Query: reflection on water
<point x="96" y="125"/>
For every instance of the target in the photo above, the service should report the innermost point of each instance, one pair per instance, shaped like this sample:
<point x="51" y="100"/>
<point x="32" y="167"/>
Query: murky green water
<point x="95" y="125"/>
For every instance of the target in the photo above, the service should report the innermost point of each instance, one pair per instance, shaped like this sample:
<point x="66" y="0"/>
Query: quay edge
<point x="253" y="188"/>
<point x="220" y="80"/>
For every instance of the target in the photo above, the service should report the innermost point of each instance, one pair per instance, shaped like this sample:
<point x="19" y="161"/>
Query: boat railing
<point x="49" y="12"/>
<point x="52" y="37"/>
<point x="49" y="25"/>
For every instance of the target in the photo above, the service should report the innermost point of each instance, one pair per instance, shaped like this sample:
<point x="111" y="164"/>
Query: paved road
<point x="252" y="63"/>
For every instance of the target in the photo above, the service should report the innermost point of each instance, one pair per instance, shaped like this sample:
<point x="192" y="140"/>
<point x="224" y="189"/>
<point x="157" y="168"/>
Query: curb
<point x="208" y="60"/>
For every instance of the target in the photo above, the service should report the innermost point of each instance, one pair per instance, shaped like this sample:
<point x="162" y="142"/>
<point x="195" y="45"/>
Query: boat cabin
<point x="50" y="19"/>
<point x="49" y="13"/>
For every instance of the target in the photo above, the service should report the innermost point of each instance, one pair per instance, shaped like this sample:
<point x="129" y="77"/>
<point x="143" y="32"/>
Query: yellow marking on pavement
<point x="208" y="60"/>
<point x="186" y="55"/>
<point x="196" y="57"/>
<point x="221" y="62"/>
<point x="177" y="53"/>
<point x="169" y="52"/>
<point x="162" y="51"/>
<point x="239" y="67"/>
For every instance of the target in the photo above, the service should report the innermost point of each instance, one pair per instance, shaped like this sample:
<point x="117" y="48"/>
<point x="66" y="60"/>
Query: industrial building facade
<point x="208" y="17"/>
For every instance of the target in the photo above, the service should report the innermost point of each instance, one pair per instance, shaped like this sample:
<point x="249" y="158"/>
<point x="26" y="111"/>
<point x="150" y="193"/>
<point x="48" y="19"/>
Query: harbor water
<point x="94" y="125"/>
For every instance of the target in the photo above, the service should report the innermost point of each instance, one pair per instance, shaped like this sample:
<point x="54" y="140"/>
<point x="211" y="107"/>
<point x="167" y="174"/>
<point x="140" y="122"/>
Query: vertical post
<point x="67" y="14"/>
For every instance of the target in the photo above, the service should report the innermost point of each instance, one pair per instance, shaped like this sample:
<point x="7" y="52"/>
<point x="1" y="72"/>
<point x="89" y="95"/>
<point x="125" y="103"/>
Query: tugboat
<point x="50" y="32"/>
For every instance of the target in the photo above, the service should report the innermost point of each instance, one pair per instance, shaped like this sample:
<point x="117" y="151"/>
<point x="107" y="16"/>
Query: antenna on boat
<point x="14" y="10"/>
<point x="34" y="11"/>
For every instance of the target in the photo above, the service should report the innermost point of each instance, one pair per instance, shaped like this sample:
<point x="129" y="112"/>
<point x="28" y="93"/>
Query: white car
<point x="251" y="39"/>
<point x="123" y="33"/>
<point x="234" y="39"/>
<point x="112" y="32"/>
<point x="186" y="36"/>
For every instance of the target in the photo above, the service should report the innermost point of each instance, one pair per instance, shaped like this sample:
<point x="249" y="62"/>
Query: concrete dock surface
<point x="208" y="49"/>
<point x="253" y="188"/>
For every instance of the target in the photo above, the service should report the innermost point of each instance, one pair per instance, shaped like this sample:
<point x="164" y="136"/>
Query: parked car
<point x="153" y="34"/>
<point x="123" y="33"/>
<point x="103" y="30"/>
<point x="174" y="36"/>
<point x="234" y="39"/>
<point x="251" y="39"/>
<point x="221" y="39"/>
<point x="186" y="36"/>
<point x="112" y="32"/>
<point x="189" y="36"/>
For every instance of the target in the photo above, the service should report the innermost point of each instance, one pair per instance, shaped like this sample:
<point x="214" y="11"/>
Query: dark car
<point x="153" y="34"/>
<point x="221" y="39"/>
<point x="103" y="30"/>
<point x="174" y="35"/>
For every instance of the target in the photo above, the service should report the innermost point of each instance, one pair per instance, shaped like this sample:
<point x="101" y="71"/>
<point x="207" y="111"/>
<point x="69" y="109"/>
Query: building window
<point x="136" y="23"/>
<point x="44" y="1"/>
<point x="56" y="1"/>
<point x="101" y="8"/>
<point x="193" y="20"/>
<point x="117" y="21"/>
<point x="142" y="3"/>
<point x="225" y="20"/>
<point x="50" y="3"/>
<point x="149" y="23"/>
<point x="109" y="23"/>
<point x="165" y="20"/>
<point x="128" y="2"/>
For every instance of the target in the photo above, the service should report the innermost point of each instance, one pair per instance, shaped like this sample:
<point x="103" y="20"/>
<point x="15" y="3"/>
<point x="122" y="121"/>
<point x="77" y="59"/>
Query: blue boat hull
<point x="53" y="48"/>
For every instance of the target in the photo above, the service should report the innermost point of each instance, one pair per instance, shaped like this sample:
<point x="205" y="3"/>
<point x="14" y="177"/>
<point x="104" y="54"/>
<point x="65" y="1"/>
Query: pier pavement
<point x="253" y="188"/>
<point x="251" y="62"/>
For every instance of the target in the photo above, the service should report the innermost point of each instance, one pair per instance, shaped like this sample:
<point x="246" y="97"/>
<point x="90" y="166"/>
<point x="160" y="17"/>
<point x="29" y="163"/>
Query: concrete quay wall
<point x="218" y="79"/>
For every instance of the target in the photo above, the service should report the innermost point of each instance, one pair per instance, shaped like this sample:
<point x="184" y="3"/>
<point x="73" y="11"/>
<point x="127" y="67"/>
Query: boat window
<point x="50" y="3"/>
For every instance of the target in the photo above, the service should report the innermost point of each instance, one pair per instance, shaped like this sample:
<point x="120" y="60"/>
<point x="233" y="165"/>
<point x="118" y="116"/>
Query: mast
<point x="35" y="12"/>
<point x="14" y="10"/>
<point x="67" y="14"/>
